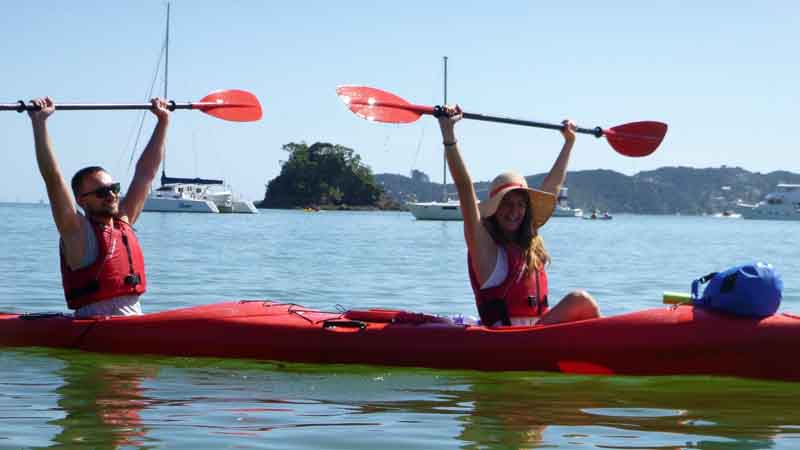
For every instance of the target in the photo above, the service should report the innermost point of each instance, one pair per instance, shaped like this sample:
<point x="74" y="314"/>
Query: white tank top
<point x="500" y="271"/>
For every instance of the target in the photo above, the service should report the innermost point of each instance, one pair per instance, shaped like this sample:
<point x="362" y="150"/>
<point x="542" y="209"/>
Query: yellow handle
<point x="677" y="298"/>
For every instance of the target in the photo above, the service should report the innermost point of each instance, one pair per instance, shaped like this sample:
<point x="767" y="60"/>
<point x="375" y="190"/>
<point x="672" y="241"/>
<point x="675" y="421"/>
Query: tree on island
<point x="418" y="176"/>
<point x="322" y="174"/>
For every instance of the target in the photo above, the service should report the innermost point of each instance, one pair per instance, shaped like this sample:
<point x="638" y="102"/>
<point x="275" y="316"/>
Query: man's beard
<point x="104" y="212"/>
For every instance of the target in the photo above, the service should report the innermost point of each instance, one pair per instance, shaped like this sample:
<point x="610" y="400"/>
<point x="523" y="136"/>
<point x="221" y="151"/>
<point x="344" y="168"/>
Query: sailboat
<point x="195" y="195"/>
<point x="446" y="209"/>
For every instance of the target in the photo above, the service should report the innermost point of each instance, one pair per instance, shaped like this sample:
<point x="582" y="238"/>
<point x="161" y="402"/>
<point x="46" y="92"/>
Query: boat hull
<point x="243" y="207"/>
<point x="565" y="211"/>
<point x="436" y="211"/>
<point x="769" y="212"/>
<point x="666" y="341"/>
<point x="154" y="204"/>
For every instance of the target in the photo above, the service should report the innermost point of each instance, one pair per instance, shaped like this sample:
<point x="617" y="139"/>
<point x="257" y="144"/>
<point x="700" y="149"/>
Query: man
<point x="102" y="267"/>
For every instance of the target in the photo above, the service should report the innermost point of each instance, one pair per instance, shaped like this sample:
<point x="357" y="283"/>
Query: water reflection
<point x="508" y="411"/>
<point x="527" y="412"/>
<point x="112" y="402"/>
<point x="102" y="403"/>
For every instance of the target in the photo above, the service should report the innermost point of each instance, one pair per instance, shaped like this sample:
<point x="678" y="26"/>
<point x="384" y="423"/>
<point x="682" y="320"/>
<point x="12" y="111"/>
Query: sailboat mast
<point x="166" y="55"/>
<point x="444" y="154"/>
<point x="166" y="85"/>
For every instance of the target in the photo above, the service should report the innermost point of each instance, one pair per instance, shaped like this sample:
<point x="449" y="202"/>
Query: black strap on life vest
<point x="133" y="278"/>
<point x="538" y="301"/>
<point x="88" y="288"/>
<point x="493" y="311"/>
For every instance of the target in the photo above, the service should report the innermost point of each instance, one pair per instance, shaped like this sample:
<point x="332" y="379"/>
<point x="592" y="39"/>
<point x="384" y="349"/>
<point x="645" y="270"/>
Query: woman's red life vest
<point x="517" y="296"/>
<point x="118" y="269"/>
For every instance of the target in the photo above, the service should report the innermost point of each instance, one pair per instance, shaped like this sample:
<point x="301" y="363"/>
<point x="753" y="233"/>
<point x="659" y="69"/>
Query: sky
<point x="724" y="75"/>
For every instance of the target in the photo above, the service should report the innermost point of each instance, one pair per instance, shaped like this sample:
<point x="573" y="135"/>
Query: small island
<point x="325" y="176"/>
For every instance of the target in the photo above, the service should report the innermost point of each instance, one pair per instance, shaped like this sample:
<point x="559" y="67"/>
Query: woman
<point x="506" y="255"/>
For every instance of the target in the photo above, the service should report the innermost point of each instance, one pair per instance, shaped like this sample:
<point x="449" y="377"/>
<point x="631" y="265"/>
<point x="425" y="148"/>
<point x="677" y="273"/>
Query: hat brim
<point x="542" y="203"/>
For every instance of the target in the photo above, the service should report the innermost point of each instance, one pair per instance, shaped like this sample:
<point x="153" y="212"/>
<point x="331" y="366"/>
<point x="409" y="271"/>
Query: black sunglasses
<point x="104" y="191"/>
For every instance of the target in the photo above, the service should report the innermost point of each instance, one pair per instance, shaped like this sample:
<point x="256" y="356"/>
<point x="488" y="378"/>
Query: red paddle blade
<point x="232" y="104"/>
<point x="377" y="105"/>
<point x="636" y="138"/>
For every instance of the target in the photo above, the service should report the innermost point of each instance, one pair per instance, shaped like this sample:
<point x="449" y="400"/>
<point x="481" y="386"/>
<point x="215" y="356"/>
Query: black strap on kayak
<point x="341" y="323"/>
<point x="41" y="315"/>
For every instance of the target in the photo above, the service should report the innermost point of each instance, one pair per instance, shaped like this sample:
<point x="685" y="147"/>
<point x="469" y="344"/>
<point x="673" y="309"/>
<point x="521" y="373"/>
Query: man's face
<point x="97" y="196"/>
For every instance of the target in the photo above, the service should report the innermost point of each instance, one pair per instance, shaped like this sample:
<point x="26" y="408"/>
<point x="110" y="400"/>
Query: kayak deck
<point x="664" y="341"/>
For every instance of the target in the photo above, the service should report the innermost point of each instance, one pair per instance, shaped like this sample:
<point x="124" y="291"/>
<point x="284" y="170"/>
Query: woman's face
<point x="511" y="212"/>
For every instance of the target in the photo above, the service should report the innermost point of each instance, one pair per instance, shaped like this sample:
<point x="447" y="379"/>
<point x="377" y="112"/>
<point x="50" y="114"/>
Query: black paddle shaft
<point x="21" y="106"/>
<point x="596" y="132"/>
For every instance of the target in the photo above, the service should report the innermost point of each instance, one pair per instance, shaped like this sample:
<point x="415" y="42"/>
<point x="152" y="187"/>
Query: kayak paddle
<point x="631" y="139"/>
<point x="232" y="104"/>
<point x="677" y="298"/>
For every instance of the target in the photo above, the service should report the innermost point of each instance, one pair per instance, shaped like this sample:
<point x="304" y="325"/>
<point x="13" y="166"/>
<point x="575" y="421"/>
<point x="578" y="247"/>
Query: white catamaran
<point x="195" y="195"/>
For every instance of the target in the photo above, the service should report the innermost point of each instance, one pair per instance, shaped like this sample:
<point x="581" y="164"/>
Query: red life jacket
<point x="517" y="296"/>
<point x="118" y="269"/>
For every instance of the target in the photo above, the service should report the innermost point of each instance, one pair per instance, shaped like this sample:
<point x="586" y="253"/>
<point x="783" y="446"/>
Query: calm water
<point x="68" y="399"/>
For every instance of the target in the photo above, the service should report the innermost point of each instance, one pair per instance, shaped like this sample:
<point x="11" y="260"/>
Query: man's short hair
<point x="77" y="179"/>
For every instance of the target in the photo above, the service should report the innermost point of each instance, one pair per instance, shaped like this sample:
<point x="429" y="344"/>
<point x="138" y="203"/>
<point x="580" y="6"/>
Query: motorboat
<point x="566" y="211"/>
<point x="781" y="204"/>
<point x="728" y="214"/>
<point x="563" y="209"/>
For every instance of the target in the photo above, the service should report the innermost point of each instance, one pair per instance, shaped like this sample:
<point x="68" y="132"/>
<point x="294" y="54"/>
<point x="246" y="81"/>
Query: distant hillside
<point x="668" y="190"/>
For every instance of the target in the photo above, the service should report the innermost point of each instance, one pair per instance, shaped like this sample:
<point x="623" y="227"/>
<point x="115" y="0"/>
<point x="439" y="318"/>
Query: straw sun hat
<point x="542" y="203"/>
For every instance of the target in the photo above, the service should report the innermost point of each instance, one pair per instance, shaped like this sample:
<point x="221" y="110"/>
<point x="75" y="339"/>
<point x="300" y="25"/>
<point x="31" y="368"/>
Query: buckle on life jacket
<point x="133" y="279"/>
<point x="540" y="304"/>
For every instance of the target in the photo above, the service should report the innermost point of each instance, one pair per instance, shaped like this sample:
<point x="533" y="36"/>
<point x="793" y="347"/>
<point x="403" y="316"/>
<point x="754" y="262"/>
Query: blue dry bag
<point x="747" y="290"/>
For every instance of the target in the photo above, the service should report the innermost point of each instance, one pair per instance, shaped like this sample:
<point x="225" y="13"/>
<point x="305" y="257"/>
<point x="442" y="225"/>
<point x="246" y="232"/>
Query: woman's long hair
<point x="526" y="237"/>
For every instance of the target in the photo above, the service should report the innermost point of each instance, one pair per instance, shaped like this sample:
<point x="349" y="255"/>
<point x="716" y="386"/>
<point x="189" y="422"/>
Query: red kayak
<point x="679" y="340"/>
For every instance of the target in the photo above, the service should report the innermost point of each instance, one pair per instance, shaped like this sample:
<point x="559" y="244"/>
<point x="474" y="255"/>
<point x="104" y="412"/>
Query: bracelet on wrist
<point x="449" y="144"/>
